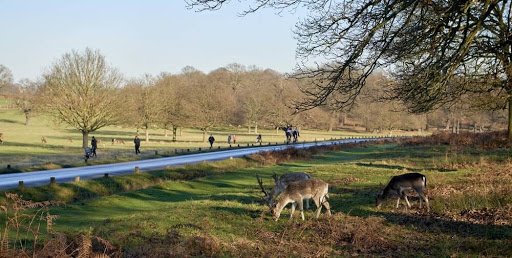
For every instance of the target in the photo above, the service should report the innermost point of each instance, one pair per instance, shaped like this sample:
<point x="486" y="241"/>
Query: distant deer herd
<point x="295" y="188"/>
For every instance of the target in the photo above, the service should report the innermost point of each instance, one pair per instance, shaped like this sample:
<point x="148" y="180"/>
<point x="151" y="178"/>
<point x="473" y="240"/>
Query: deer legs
<point x="323" y="202"/>
<point x="422" y="198"/>
<point x="402" y="194"/>
<point x="301" y="208"/>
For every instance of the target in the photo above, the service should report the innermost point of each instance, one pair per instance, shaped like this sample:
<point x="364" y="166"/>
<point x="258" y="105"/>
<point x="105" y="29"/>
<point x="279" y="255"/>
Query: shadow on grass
<point x="398" y="167"/>
<point x="38" y="145"/>
<point x="294" y="165"/>
<point x="108" y="134"/>
<point x="362" y="198"/>
<point x="238" y="211"/>
<point x="10" y="121"/>
<point x="433" y="224"/>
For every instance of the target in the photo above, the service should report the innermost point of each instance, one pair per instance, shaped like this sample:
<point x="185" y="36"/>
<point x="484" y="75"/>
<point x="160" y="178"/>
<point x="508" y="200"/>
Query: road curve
<point x="36" y="178"/>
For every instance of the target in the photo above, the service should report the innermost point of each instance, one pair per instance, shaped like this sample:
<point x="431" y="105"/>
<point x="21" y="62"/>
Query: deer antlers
<point x="260" y="182"/>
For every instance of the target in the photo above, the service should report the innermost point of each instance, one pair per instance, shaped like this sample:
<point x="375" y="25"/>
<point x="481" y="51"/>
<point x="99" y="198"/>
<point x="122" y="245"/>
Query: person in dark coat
<point x="136" y="141"/>
<point x="94" y="146"/>
<point x="258" y="138"/>
<point x="211" y="139"/>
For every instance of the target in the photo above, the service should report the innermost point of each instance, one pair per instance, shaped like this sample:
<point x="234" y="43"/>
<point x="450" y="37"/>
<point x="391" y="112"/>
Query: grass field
<point x="220" y="213"/>
<point x="24" y="150"/>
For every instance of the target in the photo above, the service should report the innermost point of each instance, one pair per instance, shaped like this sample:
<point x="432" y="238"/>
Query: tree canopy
<point x="79" y="91"/>
<point x="436" y="51"/>
<point x="5" y="76"/>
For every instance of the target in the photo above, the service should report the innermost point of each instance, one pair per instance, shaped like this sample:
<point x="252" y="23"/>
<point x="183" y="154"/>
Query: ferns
<point x="25" y="219"/>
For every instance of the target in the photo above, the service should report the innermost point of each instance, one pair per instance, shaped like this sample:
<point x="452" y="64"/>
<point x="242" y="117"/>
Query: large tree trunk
<point x="255" y="128"/>
<point x="510" y="118"/>
<point x="204" y="135"/>
<point x="147" y="133"/>
<point x="27" y="118"/>
<point x="332" y="120"/>
<point x="85" y="139"/>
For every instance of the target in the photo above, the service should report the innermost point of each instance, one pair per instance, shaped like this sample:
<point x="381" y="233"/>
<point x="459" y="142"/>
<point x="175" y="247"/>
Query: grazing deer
<point x="280" y="184"/>
<point x="296" y="192"/>
<point x="114" y="140"/>
<point x="398" y="184"/>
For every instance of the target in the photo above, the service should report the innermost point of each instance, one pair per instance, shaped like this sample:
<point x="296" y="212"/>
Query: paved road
<point x="36" y="178"/>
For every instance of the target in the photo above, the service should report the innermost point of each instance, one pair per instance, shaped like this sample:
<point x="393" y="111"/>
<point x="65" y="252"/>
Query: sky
<point x="142" y="37"/>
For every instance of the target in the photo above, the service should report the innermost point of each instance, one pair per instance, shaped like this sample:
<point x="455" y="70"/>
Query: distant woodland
<point x="234" y="95"/>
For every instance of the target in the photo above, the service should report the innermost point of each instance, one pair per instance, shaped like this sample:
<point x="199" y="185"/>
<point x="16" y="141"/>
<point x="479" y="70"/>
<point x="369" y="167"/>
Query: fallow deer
<point x="399" y="184"/>
<point x="296" y="192"/>
<point x="280" y="183"/>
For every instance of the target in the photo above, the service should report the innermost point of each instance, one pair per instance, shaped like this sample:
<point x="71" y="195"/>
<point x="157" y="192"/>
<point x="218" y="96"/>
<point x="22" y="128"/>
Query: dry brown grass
<point x="174" y="244"/>
<point x="483" y="197"/>
<point x="276" y="157"/>
<point x="290" y="154"/>
<point x="29" y="227"/>
<point x="338" y="235"/>
<point x="487" y="141"/>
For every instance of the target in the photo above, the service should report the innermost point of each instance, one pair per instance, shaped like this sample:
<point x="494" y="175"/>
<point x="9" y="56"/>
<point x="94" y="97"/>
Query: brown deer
<point x="399" y="184"/>
<point x="280" y="183"/>
<point x="296" y="192"/>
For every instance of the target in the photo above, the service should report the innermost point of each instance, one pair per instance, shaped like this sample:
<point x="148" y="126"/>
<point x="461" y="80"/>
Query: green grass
<point x="221" y="213"/>
<point x="24" y="150"/>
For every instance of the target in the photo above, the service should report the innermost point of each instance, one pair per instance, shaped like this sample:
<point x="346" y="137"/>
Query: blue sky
<point x="139" y="37"/>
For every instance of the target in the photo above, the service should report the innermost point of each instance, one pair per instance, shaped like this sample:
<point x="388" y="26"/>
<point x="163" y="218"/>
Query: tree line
<point x="82" y="91"/>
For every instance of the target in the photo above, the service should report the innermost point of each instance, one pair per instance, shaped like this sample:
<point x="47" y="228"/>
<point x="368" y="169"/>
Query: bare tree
<point x="26" y="98"/>
<point x="437" y="50"/>
<point x="207" y="106"/>
<point x="144" y="103"/>
<point x="5" y="76"/>
<point x="79" y="91"/>
<point x="173" y="101"/>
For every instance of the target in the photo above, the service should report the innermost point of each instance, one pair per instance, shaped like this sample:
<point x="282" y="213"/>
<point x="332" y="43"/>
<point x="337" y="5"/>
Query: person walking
<point x="211" y="139"/>
<point x="136" y="141"/>
<point x="258" y="138"/>
<point x="94" y="146"/>
<point x="229" y="139"/>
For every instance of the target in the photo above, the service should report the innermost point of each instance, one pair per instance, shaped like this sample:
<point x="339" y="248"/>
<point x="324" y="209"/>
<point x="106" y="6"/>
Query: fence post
<point x="105" y="175"/>
<point x="52" y="181"/>
<point x="77" y="179"/>
<point x="21" y="185"/>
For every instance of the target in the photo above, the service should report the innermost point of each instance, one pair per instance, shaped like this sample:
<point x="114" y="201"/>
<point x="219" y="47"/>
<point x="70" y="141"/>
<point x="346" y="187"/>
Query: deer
<point x="280" y="183"/>
<point x="296" y="192"/>
<point x="398" y="184"/>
